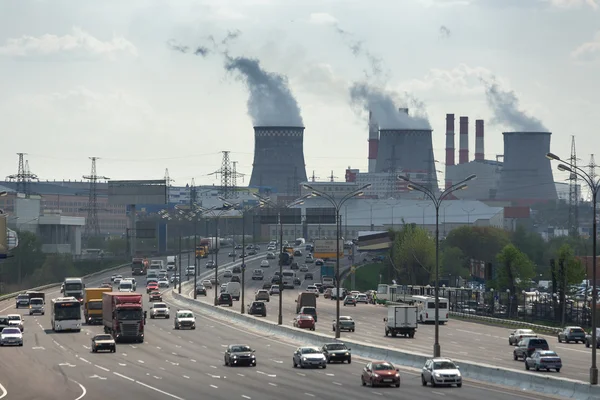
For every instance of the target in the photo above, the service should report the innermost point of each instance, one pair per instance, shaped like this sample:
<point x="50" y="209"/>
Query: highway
<point x="189" y="364"/>
<point x="459" y="340"/>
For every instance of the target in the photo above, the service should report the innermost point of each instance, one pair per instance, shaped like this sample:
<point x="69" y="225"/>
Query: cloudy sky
<point x="101" y="78"/>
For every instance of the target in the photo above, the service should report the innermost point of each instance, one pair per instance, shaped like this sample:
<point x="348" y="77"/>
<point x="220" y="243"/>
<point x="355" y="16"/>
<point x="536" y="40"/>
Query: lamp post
<point x="244" y="210"/>
<point x="181" y="215"/>
<point x="337" y="204"/>
<point x="437" y="201"/>
<point x="593" y="184"/>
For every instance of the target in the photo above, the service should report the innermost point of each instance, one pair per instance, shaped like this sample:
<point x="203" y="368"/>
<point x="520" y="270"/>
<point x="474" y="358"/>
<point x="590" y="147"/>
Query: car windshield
<point x="159" y="305"/>
<point x="444" y="365"/>
<point x="14" y="317"/>
<point x="310" y="350"/>
<point x="22" y="296"/>
<point x="305" y="317"/>
<point x="577" y="330"/>
<point x="335" y="346"/>
<point x="10" y="331"/>
<point x="103" y="337"/>
<point x="185" y="315"/>
<point x="524" y="332"/>
<point x="383" y="367"/>
<point x="240" y="349"/>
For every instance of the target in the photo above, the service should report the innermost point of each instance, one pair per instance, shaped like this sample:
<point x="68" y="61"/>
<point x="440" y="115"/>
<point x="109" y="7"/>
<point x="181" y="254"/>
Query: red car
<point x="304" y="321"/>
<point x="151" y="287"/>
<point x="155" y="296"/>
<point x="380" y="373"/>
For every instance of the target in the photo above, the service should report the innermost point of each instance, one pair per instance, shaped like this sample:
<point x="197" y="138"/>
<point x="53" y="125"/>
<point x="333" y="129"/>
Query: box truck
<point x="92" y="305"/>
<point x="401" y="320"/>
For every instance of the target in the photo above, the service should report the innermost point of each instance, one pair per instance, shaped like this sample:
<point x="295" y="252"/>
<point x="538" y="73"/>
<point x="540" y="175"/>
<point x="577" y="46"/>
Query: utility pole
<point x="168" y="181"/>
<point x="92" y="227"/>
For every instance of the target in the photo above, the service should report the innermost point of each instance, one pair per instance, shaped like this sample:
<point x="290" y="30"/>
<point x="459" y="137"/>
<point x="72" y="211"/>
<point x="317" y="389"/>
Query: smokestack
<point x="373" y="142"/>
<point x="450" y="151"/>
<point x="463" y="153"/>
<point x="479" y="139"/>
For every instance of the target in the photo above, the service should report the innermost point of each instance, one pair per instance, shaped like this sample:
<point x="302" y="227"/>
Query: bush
<point x="367" y="276"/>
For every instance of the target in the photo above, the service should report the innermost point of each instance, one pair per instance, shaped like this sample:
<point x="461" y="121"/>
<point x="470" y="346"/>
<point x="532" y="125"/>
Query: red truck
<point x="123" y="316"/>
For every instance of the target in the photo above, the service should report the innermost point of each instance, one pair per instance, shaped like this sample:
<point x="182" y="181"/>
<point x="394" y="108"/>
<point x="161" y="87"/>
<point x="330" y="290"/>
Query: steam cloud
<point x="444" y="32"/>
<point x="358" y="49"/>
<point x="199" y="51"/>
<point x="383" y="106"/>
<point x="270" y="101"/>
<point x="505" y="106"/>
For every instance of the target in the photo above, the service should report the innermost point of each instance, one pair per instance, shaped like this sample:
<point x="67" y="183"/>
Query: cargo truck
<point x="138" y="266"/>
<point x="401" y="320"/>
<point x="92" y="305"/>
<point x="123" y="316"/>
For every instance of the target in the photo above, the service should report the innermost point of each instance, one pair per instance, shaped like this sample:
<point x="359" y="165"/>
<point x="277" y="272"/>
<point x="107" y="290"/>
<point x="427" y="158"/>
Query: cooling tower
<point x="409" y="151"/>
<point x="526" y="173"/>
<point x="278" y="158"/>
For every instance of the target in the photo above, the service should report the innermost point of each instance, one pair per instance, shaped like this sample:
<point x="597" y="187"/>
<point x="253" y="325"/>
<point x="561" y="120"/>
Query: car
<point x="107" y="285"/>
<point x="223" y="288"/>
<point x="304" y="268"/>
<point x="266" y="286"/>
<point x="265" y="264"/>
<point x="294" y="266"/>
<point x="319" y="262"/>
<point x="207" y="283"/>
<point x="346" y="324"/>
<point x="210" y="264"/>
<point x="235" y="278"/>
<point x="232" y="254"/>
<point x="225" y="299"/>
<point x="163" y="283"/>
<point x="297" y="281"/>
<point x="200" y="289"/>
<point x="309" y="357"/>
<point x="308" y="276"/>
<point x="350" y="301"/>
<point x="185" y="319"/>
<point x="520" y="334"/>
<point x="327" y="293"/>
<point x="297" y="253"/>
<point x="380" y="373"/>
<point x="22" y="300"/>
<point x="159" y="310"/>
<point x="112" y="277"/>
<point x="319" y="285"/>
<point x="214" y="281"/>
<point x="309" y="259"/>
<point x="11" y="336"/>
<point x="527" y="346"/>
<point x="152" y="287"/>
<point x="304" y="321"/>
<point x="237" y="269"/>
<point x="250" y="247"/>
<point x="274" y="290"/>
<point x="155" y="296"/>
<point x="262" y="294"/>
<point x="588" y="340"/>
<point x="118" y="279"/>
<point x="257" y="308"/>
<point x="103" y="342"/>
<point x="271" y="256"/>
<point x="441" y="371"/>
<point x="271" y="247"/>
<point x="258" y="274"/>
<point x="252" y="252"/>
<point x="571" y="334"/>
<point x="174" y="278"/>
<point x="312" y="289"/>
<point x="238" y="247"/>
<point x="362" y="298"/>
<point x="239" y="354"/>
<point x="227" y="273"/>
<point x="543" y="359"/>
<point x="190" y="270"/>
<point x="16" y="320"/>
<point x="337" y="352"/>
<point x="275" y="279"/>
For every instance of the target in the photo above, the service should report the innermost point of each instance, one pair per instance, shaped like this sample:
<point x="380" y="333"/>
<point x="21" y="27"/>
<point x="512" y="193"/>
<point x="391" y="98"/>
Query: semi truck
<point x="73" y="287"/>
<point x="138" y="266"/>
<point x="92" y="305"/>
<point x="401" y="320"/>
<point x="123" y="316"/>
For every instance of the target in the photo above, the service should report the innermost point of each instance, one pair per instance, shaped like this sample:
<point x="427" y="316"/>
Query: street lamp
<point x="437" y="201"/>
<point x="593" y="184"/>
<point x="337" y="204"/>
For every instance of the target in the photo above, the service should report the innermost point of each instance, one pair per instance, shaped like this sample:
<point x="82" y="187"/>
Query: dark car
<point x="3" y="322"/>
<point x="319" y="285"/>
<point x="235" y="278"/>
<point x="294" y="266"/>
<point x="22" y="300"/>
<point x="210" y="264"/>
<point x="103" y="342"/>
<point x="297" y="253"/>
<point x="237" y="269"/>
<point x="200" y="289"/>
<point x="588" y="340"/>
<point x="275" y="279"/>
<point x="571" y="334"/>
<point x="543" y="359"/>
<point x="297" y="281"/>
<point x="527" y="346"/>
<point x="350" y="301"/>
<point x="256" y="247"/>
<point x="155" y="296"/>
<point x="239" y="354"/>
<point x="308" y="277"/>
<point x="266" y="285"/>
<point x="380" y="373"/>
<point x="225" y="299"/>
<point x="252" y="252"/>
<point x="337" y="352"/>
<point x="257" y="308"/>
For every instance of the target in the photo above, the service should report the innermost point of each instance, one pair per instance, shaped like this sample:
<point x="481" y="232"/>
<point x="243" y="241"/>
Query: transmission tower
<point x="592" y="168"/>
<point x="314" y="178"/>
<point x="573" y="193"/>
<point x="234" y="176"/>
<point x="193" y="193"/>
<point x="331" y="177"/>
<point x="92" y="227"/>
<point x="168" y="180"/>
<point x="226" y="176"/>
<point x="23" y="176"/>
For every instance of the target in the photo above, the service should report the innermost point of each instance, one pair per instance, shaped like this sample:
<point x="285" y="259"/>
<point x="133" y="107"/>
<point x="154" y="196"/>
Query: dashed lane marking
<point x="102" y="368"/>
<point x="214" y="387"/>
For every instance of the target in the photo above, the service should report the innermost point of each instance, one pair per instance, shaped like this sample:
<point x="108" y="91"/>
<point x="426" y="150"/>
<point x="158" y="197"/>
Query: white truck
<point x="401" y="320"/>
<point x="233" y="288"/>
<point x="171" y="263"/>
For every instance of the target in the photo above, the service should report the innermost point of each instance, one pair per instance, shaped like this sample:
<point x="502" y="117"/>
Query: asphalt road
<point x="189" y="364"/>
<point x="459" y="340"/>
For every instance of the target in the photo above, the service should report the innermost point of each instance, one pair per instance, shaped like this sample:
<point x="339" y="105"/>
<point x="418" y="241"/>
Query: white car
<point x="274" y="290"/>
<point x="313" y="289"/>
<point x="362" y="298"/>
<point x="207" y="284"/>
<point x="117" y="279"/>
<point x="16" y="320"/>
<point x="163" y="283"/>
<point x="159" y="310"/>
<point x="265" y="263"/>
<point x="303" y="268"/>
<point x="185" y="319"/>
<point x="270" y="247"/>
<point x="11" y="336"/>
<point x="227" y="274"/>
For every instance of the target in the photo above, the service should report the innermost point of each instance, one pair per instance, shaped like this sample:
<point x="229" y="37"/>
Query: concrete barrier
<point x="523" y="380"/>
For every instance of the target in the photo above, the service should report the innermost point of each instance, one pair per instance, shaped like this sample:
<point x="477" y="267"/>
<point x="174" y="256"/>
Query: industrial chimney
<point x="450" y="151"/>
<point x="463" y="153"/>
<point x="479" y="150"/>
<point x="373" y="142"/>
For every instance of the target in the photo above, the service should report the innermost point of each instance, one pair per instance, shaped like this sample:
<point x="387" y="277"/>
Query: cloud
<point x="574" y="3"/>
<point x="321" y="78"/>
<point x="322" y="19"/>
<point x="589" y="51"/>
<point x="444" y="32"/>
<point x="77" y="45"/>
<point x="461" y="80"/>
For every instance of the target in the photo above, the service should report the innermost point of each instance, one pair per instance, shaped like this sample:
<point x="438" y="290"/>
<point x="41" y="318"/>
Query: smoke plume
<point x="383" y="105"/>
<point x="444" y="32"/>
<point x="358" y="49"/>
<point x="270" y="101"/>
<point x="505" y="106"/>
<point x="199" y="51"/>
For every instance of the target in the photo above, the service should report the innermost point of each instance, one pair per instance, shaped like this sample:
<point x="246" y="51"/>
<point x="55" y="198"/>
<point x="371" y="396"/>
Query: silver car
<point x="520" y="334"/>
<point x="346" y="324"/>
<point x="309" y="357"/>
<point x="543" y="359"/>
<point x="159" y="310"/>
<point x="441" y="371"/>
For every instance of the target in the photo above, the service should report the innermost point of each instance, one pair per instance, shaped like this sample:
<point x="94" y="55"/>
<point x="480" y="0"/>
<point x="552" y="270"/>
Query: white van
<point x="126" y="286"/>
<point x="233" y="288"/>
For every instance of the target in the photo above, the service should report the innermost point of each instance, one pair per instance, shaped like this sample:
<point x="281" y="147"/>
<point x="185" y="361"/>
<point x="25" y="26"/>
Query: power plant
<point x="278" y="159"/>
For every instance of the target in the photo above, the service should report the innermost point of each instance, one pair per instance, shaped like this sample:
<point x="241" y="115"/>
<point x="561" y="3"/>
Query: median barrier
<point x="523" y="380"/>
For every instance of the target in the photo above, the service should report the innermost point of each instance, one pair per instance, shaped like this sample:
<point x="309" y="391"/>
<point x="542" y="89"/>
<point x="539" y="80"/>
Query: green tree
<point x="414" y="255"/>
<point x="454" y="263"/>
<point x="56" y="267"/>
<point x="574" y="269"/>
<point x="26" y="258"/>
<point x="478" y="243"/>
<point x="117" y="246"/>
<point x="530" y="243"/>
<point x="515" y="270"/>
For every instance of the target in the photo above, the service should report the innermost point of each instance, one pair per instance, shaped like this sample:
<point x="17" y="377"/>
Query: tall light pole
<point x="244" y="211"/>
<point x="437" y="201"/>
<point x="337" y="204"/>
<point x="593" y="184"/>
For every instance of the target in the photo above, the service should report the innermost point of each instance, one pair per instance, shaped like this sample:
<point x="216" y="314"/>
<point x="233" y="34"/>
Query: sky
<point x="149" y="85"/>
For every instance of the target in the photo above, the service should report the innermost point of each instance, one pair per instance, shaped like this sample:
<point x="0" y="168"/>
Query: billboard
<point x="320" y="215"/>
<point x="137" y="192"/>
<point x="326" y="248"/>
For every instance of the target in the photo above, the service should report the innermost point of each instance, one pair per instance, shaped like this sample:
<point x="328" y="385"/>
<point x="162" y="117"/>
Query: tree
<point x="454" y="264"/>
<point x="515" y="270"/>
<point x="27" y="257"/>
<point x="478" y="243"/>
<point x="530" y="243"/>
<point x="574" y="269"/>
<point x="414" y="255"/>
<point x="56" y="267"/>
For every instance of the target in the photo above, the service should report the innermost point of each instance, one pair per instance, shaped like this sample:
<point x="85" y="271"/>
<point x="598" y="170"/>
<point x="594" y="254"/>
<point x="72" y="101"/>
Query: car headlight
<point x="436" y="374"/>
<point x="347" y="354"/>
<point x="397" y="375"/>
<point x="234" y="357"/>
<point x="376" y="375"/>
<point x="303" y="358"/>
<point x="253" y="356"/>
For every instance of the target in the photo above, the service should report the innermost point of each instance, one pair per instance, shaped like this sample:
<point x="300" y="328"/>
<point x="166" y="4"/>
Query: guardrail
<point x="523" y="380"/>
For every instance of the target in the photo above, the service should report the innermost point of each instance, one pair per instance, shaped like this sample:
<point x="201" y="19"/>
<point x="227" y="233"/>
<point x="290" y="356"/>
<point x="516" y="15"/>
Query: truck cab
<point x="73" y="287"/>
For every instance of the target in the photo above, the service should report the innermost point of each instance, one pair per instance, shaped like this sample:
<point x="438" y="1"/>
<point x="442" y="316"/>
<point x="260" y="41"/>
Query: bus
<point x="387" y="293"/>
<point x="288" y="279"/>
<point x="426" y="309"/>
<point x="66" y="314"/>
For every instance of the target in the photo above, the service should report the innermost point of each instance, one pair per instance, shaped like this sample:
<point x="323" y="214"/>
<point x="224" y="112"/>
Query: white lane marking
<point x="157" y="377"/>
<point x="277" y="361"/>
<point x="309" y="394"/>
<point x="174" y="353"/>
<point x="191" y="342"/>
<point x="212" y="366"/>
<point x="97" y="377"/>
<point x="86" y="347"/>
<point x="102" y="368"/>
<point x="192" y="360"/>
<point x="301" y="374"/>
<point x="38" y="348"/>
<point x="124" y="354"/>
<point x="83" y="391"/>
<point x="158" y="347"/>
<point x="242" y="375"/>
<point x="141" y="362"/>
<point x="132" y="346"/>
<point x="214" y="387"/>
<point x="124" y="377"/>
<point x="377" y="393"/>
<point x="122" y="364"/>
<point x="438" y="393"/>
<point x="56" y="343"/>
<point x="2" y="389"/>
<point x="171" y="362"/>
<point x="186" y="377"/>
<point x="330" y="374"/>
<point x="337" y="383"/>
<point x="272" y="384"/>
<point x="246" y="397"/>
<point x="66" y="365"/>
<point x="161" y="368"/>
<point x="84" y="360"/>
<point x="158" y="390"/>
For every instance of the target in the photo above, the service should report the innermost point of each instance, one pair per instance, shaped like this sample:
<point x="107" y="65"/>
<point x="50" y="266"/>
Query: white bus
<point x="66" y="314"/>
<point x="387" y="293"/>
<point x="288" y="279"/>
<point x="426" y="308"/>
